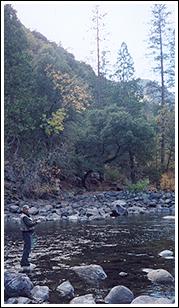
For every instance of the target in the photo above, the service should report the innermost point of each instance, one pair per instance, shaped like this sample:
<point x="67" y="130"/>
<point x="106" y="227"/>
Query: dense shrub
<point x="141" y="185"/>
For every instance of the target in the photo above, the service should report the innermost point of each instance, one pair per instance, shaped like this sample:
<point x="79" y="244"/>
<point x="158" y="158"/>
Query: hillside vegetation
<point x="58" y="136"/>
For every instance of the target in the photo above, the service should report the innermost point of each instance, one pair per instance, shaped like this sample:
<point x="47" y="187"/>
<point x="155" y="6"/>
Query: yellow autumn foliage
<point x="167" y="181"/>
<point x="55" y="124"/>
<point x="72" y="90"/>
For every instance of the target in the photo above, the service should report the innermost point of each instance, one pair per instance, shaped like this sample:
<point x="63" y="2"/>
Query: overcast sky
<point x="69" y="22"/>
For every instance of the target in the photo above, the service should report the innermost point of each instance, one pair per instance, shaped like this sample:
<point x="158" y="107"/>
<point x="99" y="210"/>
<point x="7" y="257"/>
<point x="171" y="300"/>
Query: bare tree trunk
<point x="169" y="158"/>
<point x="98" y="57"/>
<point x="162" y="105"/>
<point x="132" y="167"/>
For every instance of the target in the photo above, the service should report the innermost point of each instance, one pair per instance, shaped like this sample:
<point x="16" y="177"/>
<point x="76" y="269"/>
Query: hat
<point x="25" y="207"/>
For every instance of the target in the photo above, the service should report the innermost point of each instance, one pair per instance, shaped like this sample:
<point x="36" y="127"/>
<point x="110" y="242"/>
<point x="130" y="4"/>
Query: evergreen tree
<point x="158" y="44"/>
<point x="124" y="68"/>
<point x="171" y="60"/>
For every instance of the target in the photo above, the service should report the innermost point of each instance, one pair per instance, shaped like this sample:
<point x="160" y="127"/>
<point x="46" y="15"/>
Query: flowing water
<point x="123" y="244"/>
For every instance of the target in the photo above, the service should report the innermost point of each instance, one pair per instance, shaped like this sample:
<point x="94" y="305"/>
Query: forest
<point x="67" y="127"/>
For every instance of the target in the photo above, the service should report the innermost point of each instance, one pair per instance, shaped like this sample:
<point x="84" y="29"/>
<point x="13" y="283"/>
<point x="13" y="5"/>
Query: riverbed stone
<point x="84" y="299"/>
<point x="48" y="207"/>
<point x="90" y="273"/>
<point x="33" y="210"/>
<point x="166" y="253"/>
<point x="118" y="208"/>
<point x="123" y="274"/>
<point x="53" y="217"/>
<point x="136" y="210"/>
<point x="18" y="300"/>
<point x="40" y="293"/>
<point x="92" y="212"/>
<point x="113" y="203"/>
<point x="147" y="270"/>
<point x="74" y="217"/>
<point x="17" y="284"/>
<point x="66" y="290"/>
<point x="145" y="299"/>
<point x="119" y="295"/>
<point x="160" y="276"/>
<point x="14" y="208"/>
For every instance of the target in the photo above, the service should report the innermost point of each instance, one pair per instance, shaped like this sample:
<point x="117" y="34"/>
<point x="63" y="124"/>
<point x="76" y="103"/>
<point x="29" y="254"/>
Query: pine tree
<point x="158" y="44"/>
<point x="171" y="60"/>
<point x="124" y="68"/>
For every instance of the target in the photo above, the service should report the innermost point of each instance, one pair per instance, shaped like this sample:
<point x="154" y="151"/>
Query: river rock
<point x="147" y="270"/>
<point x="169" y="217"/>
<point x="136" y="210"/>
<point x="84" y="299"/>
<point x="160" y="275"/>
<point x="90" y="273"/>
<point x="92" y="212"/>
<point x="14" y="209"/>
<point x="66" y="290"/>
<point x="33" y="211"/>
<point x="119" y="295"/>
<point x="123" y="274"/>
<point x="18" y="300"/>
<point x="40" y="293"/>
<point x="17" y="284"/>
<point x="15" y="220"/>
<point x="118" y="208"/>
<point x="145" y="299"/>
<point x="57" y="206"/>
<point x="166" y="253"/>
<point x="48" y="207"/>
<point x="53" y="217"/>
<point x="73" y="217"/>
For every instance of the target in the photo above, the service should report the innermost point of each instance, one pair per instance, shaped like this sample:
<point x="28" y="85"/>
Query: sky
<point x="69" y="23"/>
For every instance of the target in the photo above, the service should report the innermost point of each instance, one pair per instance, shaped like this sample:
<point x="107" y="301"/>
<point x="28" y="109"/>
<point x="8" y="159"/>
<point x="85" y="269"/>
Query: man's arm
<point x="29" y="222"/>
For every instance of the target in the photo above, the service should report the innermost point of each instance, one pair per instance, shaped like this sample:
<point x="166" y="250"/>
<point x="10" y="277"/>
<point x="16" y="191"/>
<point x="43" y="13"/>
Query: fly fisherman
<point x="27" y="228"/>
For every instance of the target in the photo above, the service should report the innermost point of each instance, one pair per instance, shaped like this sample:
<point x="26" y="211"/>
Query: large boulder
<point x="17" y="284"/>
<point x="84" y="299"/>
<point x="119" y="295"/>
<point x="33" y="210"/>
<point x="160" y="275"/>
<point x="145" y="299"/>
<point x="118" y="208"/>
<point x="40" y="293"/>
<point x="90" y="273"/>
<point x="66" y="290"/>
<point x="166" y="253"/>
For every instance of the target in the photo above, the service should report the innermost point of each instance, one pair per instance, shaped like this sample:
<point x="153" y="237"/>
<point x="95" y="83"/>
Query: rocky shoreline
<point x="91" y="206"/>
<point x="19" y="289"/>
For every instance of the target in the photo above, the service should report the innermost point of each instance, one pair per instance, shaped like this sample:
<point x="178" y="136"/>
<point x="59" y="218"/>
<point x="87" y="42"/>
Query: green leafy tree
<point x="111" y="133"/>
<point x="18" y="81"/>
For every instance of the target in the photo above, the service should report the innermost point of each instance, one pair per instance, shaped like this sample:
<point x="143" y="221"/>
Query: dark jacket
<point x="26" y="223"/>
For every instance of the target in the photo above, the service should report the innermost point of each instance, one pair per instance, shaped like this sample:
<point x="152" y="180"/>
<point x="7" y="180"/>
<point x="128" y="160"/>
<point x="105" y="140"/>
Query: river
<point x="124" y="244"/>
